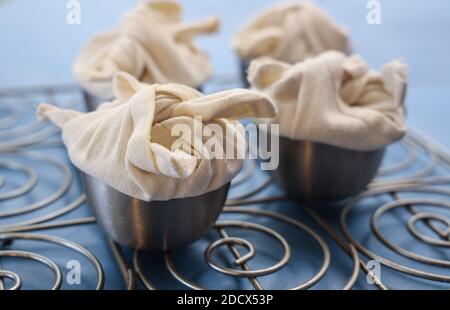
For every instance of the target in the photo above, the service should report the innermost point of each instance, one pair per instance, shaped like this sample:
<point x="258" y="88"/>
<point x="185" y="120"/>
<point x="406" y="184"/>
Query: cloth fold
<point x="290" y="32"/>
<point x="132" y="143"/>
<point x="152" y="44"/>
<point x="335" y="99"/>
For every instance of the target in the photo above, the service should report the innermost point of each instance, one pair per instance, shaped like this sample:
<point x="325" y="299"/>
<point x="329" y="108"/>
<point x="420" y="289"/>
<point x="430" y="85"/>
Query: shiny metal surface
<point x="155" y="225"/>
<point x="312" y="171"/>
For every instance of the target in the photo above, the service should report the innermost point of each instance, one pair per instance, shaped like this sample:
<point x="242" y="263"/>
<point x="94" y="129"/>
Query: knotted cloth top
<point x="128" y="143"/>
<point x="335" y="99"/>
<point x="151" y="44"/>
<point x="291" y="33"/>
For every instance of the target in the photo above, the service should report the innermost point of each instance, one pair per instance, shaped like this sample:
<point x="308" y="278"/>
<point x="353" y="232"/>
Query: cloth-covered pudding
<point x="290" y="32"/>
<point x="152" y="44"/>
<point x="336" y="117"/>
<point x="128" y="143"/>
<point x="335" y="99"/>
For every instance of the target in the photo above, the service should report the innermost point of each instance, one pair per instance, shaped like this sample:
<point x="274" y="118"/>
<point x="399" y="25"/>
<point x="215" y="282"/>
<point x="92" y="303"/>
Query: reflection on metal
<point x="154" y="225"/>
<point x="417" y="184"/>
<point x="312" y="171"/>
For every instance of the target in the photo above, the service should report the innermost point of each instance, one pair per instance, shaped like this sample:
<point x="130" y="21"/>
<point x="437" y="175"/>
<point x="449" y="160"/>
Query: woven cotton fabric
<point x="152" y="44"/>
<point x="128" y="143"/>
<point x="290" y="32"/>
<point x="335" y="99"/>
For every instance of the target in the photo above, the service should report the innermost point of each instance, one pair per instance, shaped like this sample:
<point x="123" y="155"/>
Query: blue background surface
<point x="38" y="48"/>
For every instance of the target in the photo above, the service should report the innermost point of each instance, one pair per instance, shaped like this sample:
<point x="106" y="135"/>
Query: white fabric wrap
<point x="127" y="143"/>
<point x="335" y="99"/>
<point x="151" y="44"/>
<point x="291" y="33"/>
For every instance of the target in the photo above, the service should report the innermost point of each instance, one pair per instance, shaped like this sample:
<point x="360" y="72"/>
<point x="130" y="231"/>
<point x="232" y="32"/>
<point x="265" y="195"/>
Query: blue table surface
<point x="38" y="48"/>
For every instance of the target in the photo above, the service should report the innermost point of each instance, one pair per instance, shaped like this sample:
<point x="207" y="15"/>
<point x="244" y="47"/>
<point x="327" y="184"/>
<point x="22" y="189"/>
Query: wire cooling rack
<point x="394" y="235"/>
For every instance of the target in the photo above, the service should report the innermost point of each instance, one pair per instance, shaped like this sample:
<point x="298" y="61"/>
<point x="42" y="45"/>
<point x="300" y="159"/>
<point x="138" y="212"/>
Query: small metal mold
<point x="153" y="225"/>
<point x="312" y="171"/>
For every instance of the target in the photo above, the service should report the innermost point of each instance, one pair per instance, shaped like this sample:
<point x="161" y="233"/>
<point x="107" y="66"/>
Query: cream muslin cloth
<point x="127" y="143"/>
<point x="151" y="44"/>
<point x="290" y="32"/>
<point x="335" y="99"/>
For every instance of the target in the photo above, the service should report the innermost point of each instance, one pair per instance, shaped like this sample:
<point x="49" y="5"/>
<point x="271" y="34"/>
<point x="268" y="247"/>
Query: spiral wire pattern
<point x="423" y="173"/>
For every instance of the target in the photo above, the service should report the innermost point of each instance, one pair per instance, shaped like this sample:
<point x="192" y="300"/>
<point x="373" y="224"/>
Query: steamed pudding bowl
<point x="150" y="179"/>
<point x="130" y="48"/>
<point x="289" y="32"/>
<point x="153" y="225"/>
<point x="336" y="117"/>
<point x="312" y="171"/>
